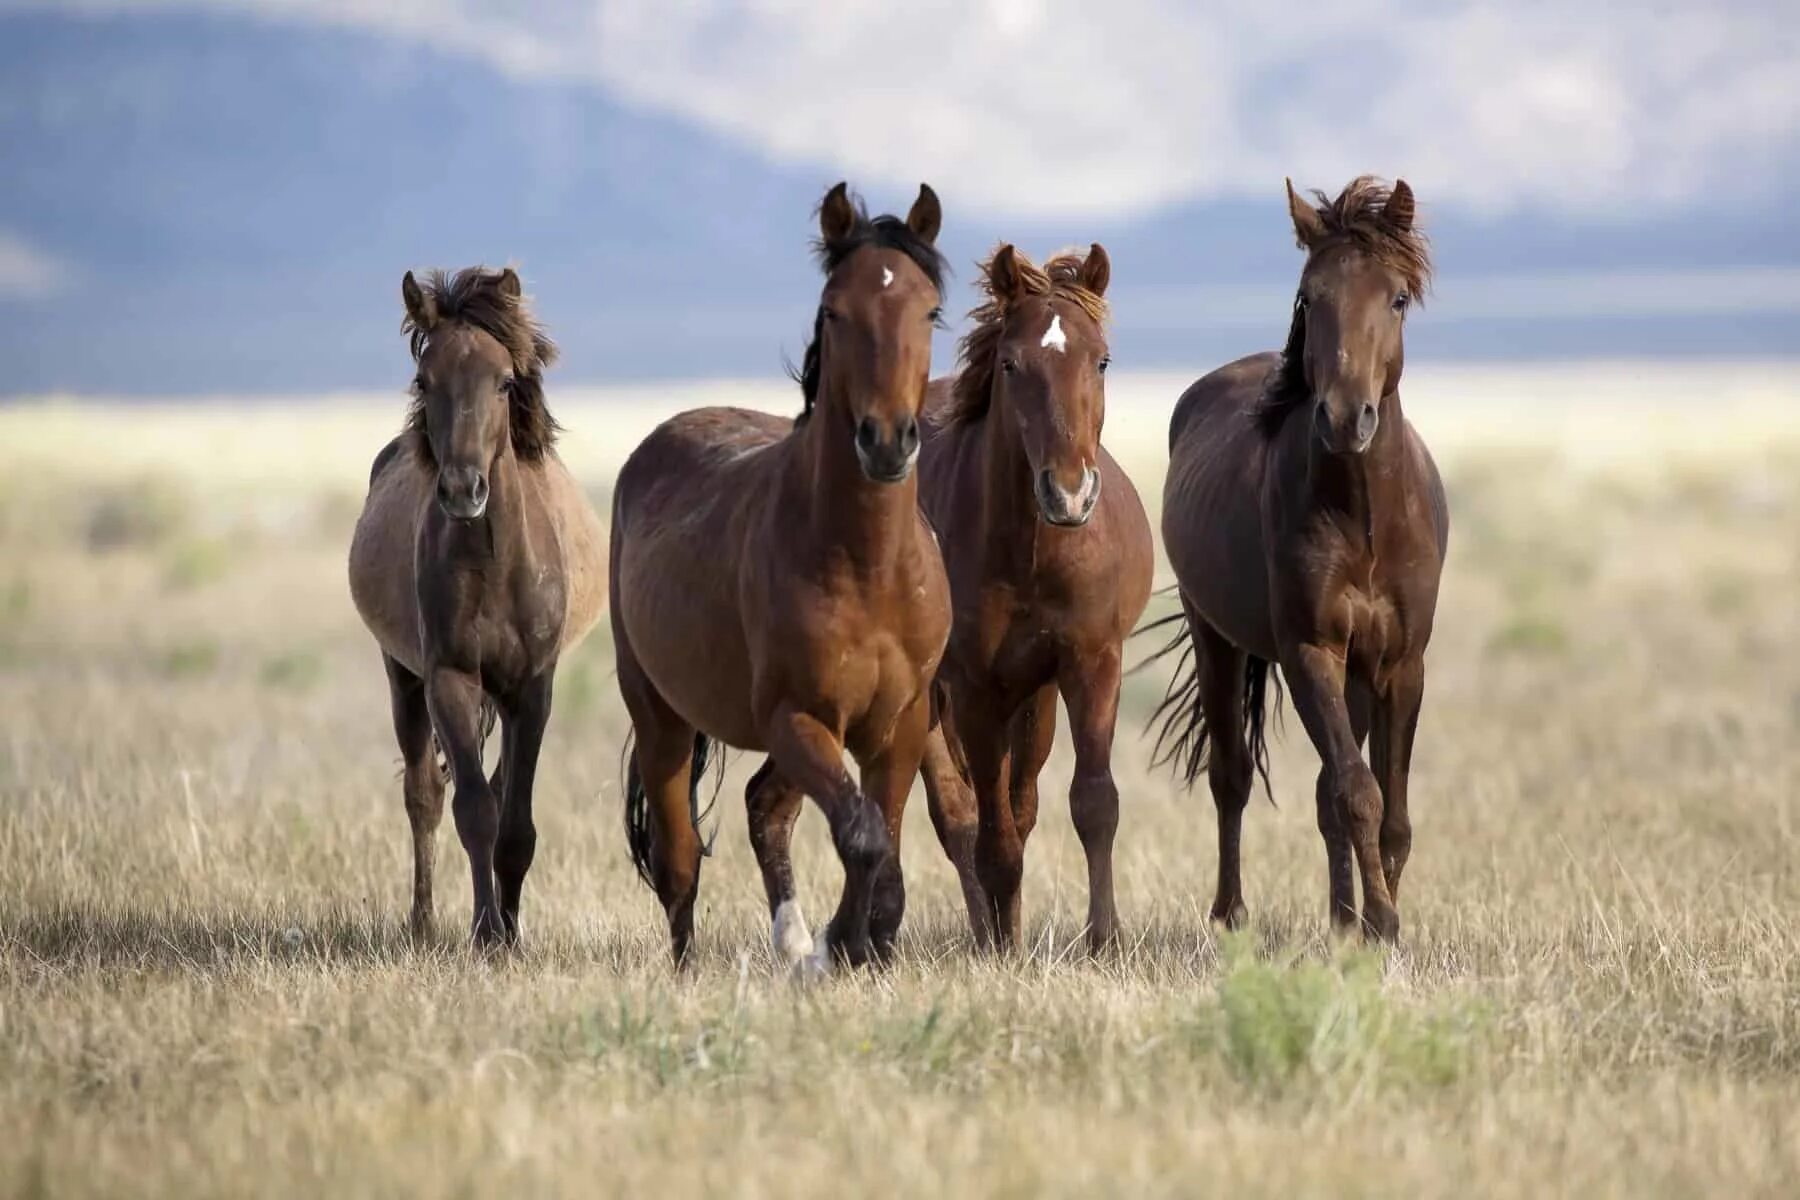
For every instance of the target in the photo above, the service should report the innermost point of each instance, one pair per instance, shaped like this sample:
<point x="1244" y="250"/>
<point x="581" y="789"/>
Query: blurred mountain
<point x="212" y="204"/>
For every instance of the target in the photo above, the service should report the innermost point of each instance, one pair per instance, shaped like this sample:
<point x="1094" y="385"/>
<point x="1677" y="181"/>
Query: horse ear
<point x="927" y="215"/>
<point x="1003" y="274"/>
<point x="1308" y="227"/>
<point x="1397" y="213"/>
<point x="1096" y="270"/>
<point x="509" y="284"/>
<point x="422" y="309"/>
<point x="837" y="216"/>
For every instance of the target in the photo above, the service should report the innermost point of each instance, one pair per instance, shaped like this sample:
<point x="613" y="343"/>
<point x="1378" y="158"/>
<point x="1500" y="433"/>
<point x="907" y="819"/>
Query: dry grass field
<point x="206" y="990"/>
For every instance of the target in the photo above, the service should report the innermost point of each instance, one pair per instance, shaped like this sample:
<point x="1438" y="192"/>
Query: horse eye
<point x="418" y="385"/>
<point x="1105" y="362"/>
<point x="1008" y="365"/>
<point x="506" y="383"/>
<point x="935" y="315"/>
<point x="1401" y="301"/>
<point x="827" y="314"/>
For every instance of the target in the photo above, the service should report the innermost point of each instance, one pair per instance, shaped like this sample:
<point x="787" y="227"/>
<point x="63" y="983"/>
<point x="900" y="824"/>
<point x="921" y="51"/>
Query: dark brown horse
<point x="476" y="563"/>
<point x="1307" y="527"/>
<point x="775" y="588"/>
<point x="1050" y="559"/>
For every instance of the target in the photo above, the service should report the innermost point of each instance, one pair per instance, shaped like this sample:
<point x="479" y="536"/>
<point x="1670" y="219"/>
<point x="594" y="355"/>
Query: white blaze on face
<point x="887" y="277"/>
<point x="1054" y="337"/>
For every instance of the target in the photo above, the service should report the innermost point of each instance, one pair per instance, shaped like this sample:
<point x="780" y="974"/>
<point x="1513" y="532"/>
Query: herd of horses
<point x="912" y="572"/>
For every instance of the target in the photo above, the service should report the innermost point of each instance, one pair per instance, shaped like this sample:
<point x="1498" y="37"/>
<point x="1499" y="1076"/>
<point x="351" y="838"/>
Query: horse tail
<point x="1184" y="739"/>
<point x="637" y="801"/>
<point x="1181" y="739"/>
<point x="1258" y="674"/>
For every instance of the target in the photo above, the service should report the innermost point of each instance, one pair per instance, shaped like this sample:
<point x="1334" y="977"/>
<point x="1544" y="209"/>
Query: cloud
<point x="1067" y="107"/>
<point x="26" y="272"/>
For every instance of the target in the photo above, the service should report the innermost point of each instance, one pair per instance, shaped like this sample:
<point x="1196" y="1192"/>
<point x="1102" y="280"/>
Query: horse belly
<point x="382" y="553"/>
<point x="678" y="611"/>
<point x="581" y="541"/>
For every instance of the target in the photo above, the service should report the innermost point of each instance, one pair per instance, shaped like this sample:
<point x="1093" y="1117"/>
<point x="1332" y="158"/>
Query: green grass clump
<point x="1333" y="1022"/>
<point x="295" y="670"/>
<point x="144" y="513"/>
<point x="191" y="659"/>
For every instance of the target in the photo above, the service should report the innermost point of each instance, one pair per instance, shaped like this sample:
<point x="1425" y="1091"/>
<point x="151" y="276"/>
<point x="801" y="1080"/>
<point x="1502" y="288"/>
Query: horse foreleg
<point x="1316" y="681"/>
<point x="773" y="805"/>
<point x="517" y="843"/>
<point x="1090" y="687"/>
<point x="1391" y="747"/>
<point x="455" y="699"/>
<point x="887" y="781"/>
<point x="812" y="757"/>
<point x="422" y="784"/>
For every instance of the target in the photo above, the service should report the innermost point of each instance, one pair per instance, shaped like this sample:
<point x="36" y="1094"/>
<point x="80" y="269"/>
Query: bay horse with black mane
<point x="1307" y="526"/>
<point x="775" y="588"/>
<point x="1050" y="558"/>
<point x="476" y="564"/>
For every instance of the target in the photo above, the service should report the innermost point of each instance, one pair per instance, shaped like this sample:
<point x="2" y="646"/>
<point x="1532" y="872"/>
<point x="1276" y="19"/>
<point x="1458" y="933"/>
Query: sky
<point x="221" y="197"/>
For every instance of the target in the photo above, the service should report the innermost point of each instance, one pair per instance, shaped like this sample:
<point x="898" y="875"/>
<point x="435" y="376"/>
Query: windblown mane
<point x="474" y="296"/>
<point x="1059" y="279"/>
<point x="887" y="232"/>
<point x="1355" y="217"/>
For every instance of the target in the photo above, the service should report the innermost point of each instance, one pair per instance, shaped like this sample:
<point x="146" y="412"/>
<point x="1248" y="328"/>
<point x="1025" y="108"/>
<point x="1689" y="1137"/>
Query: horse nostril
<point x="1365" y="421"/>
<point x="909" y="435"/>
<point x="478" y="491"/>
<point x="866" y="435"/>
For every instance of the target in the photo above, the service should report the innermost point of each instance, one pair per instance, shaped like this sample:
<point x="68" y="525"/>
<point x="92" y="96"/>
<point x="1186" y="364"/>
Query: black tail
<point x="1184" y="738"/>
<point x="637" y="802"/>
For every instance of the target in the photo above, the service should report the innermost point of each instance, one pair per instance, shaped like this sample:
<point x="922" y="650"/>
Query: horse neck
<point x="504" y="527"/>
<point x="1008" y="505"/>
<point x="1363" y="487"/>
<point x="867" y="522"/>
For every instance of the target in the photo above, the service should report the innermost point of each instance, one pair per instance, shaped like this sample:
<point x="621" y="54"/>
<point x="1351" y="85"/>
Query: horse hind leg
<point x="1221" y="672"/>
<point x="422" y="785"/>
<point x="659" y="825"/>
<point x="951" y="801"/>
<point x="773" y="805"/>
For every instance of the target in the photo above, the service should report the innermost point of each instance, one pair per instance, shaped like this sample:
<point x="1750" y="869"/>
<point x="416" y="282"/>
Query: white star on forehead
<point x="887" y="276"/>
<point x="1054" y="337"/>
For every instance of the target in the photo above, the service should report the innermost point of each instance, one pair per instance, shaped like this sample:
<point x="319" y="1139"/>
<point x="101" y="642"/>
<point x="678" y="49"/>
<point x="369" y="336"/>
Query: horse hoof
<point x="1231" y="917"/>
<point x="793" y="942"/>
<point x="1381" y="925"/>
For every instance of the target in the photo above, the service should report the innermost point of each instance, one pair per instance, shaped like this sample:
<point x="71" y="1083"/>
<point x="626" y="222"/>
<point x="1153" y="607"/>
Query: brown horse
<point x="1307" y="526"/>
<point x="476" y="563"/>
<point x="775" y="588"/>
<point x="1050" y="558"/>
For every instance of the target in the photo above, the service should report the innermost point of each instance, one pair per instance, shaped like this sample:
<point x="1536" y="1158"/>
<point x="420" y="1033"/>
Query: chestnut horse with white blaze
<point x="775" y="588"/>
<point x="476" y="563"/>
<point x="1050" y="558"/>
<point x="1307" y="526"/>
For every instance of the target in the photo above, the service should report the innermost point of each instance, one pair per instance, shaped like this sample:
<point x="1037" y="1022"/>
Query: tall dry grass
<point x="205" y="988"/>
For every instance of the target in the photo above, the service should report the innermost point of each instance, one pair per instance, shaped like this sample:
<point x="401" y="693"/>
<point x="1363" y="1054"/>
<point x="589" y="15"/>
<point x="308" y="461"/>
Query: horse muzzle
<point x="890" y="459"/>
<point x="1063" y="507"/>
<point x="462" y="492"/>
